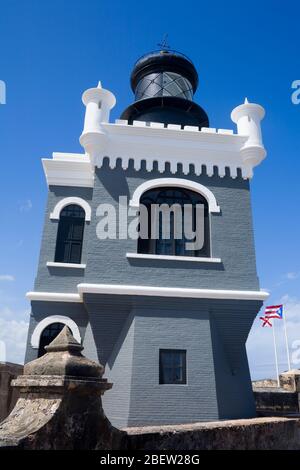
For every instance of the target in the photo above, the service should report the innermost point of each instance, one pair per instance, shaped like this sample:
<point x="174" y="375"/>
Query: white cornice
<point x="69" y="169"/>
<point x="54" y="296"/>
<point x="117" y="289"/>
<point x="208" y="150"/>
<point x="172" y="146"/>
<point x="154" y="144"/>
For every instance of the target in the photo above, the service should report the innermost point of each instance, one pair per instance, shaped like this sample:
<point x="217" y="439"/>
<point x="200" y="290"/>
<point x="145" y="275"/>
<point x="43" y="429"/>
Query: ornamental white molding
<point x="69" y="169"/>
<point x="35" y="337"/>
<point x="208" y="150"/>
<point x="117" y="289"/>
<point x="53" y="297"/>
<point x="55" y="214"/>
<point x="178" y="183"/>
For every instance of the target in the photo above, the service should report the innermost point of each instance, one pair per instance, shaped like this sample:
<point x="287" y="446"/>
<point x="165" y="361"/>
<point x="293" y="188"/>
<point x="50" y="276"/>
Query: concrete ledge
<point x="246" y="434"/>
<point x="186" y="259"/>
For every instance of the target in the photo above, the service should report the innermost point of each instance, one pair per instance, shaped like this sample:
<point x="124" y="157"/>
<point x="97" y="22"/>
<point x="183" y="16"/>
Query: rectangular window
<point x="172" y="366"/>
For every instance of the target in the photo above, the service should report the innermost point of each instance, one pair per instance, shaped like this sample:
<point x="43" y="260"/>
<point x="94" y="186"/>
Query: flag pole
<point x="286" y="340"/>
<point x="275" y="352"/>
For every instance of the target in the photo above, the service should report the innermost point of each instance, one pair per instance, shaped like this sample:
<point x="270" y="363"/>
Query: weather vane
<point x="164" y="43"/>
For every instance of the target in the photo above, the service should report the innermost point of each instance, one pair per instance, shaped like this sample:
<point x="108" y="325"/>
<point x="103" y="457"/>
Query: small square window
<point x="172" y="366"/>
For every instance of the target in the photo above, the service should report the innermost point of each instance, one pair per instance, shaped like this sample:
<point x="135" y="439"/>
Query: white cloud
<point x="6" y="312"/>
<point x="292" y="275"/>
<point x="13" y="336"/>
<point x="6" y="277"/>
<point x="25" y="206"/>
<point x="13" y="332"/>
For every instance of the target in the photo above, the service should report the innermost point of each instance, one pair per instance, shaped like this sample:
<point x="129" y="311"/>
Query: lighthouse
<point x="168" y="319"/>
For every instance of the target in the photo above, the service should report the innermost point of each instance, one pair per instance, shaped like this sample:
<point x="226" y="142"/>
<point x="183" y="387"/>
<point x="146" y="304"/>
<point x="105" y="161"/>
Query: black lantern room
<point x="164" y="83"/>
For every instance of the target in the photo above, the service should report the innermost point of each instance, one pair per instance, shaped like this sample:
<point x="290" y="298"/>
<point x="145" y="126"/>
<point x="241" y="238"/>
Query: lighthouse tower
<point x="168" y="319"/>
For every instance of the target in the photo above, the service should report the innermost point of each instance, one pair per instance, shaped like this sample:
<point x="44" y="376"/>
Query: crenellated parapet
<point x="190" y="149"/>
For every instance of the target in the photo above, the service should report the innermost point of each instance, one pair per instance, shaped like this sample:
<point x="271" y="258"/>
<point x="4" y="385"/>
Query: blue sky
<point x="51" y="51"/>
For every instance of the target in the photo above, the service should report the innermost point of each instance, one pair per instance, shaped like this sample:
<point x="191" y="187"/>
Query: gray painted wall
<point x="59" y="279"/>
<point x="231" y="234"/>
<point x="125" y="333"/>
<point x="212" y="332"/>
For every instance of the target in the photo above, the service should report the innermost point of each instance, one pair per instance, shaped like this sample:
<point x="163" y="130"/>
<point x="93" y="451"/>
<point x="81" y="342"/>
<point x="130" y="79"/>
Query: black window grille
<point x="172" y="366"/>
<point x="171" y="245"/>
<point x="70" y="235"/>
<point x="48" y="335"/>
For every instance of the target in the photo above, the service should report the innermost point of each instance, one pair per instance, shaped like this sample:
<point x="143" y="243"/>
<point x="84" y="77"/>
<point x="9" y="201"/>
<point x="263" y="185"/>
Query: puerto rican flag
<point x="273" y="311"/>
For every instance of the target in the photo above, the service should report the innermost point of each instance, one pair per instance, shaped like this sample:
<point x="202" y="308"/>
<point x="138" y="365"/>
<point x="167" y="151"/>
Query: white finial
<point x="246" y="101"/>
<point x="99" y="84"/>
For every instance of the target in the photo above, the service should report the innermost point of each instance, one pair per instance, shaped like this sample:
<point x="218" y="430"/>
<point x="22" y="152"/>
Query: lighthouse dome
<point x="164" y="83"/>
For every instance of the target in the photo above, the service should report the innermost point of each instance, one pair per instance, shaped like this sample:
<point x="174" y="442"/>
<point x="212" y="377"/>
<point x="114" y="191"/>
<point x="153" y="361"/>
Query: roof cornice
<point x="118" y="289"/>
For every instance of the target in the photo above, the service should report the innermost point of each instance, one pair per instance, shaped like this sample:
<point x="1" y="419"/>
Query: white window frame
<point x="36" y="335"/>
<point x="177" y="183"/>
<point x="55" y="214"/>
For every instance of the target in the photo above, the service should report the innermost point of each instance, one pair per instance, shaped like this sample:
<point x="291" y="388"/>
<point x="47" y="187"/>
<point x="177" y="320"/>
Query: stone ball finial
<point x="64" y="358"/>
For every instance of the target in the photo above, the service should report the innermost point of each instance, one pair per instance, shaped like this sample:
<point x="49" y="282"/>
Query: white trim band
<point x="53" y="264"/>
<point x="171" y="292"/>
<point x="147" y="291"/>
<point x="173" y="258"/>
<point x="53" y="296"/>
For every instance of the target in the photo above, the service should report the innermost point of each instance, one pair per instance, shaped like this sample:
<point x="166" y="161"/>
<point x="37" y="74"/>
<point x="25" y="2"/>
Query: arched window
<point x="48" y="335"/>
<point x="70" y="235"/>
<point x="187" y="201"/>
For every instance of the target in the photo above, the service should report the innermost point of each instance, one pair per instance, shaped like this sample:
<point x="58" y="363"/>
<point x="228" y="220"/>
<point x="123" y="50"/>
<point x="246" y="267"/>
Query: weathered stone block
<point x="8" y="394"/>
<point x="60" y="403"/>
<point x="290" y="380"/>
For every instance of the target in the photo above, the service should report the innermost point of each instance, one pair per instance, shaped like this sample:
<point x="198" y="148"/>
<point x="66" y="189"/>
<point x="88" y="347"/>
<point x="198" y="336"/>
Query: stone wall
<point x="249" y="434"/>
<point x="8" y="394"/>
<point x="60" y="408"/>
<point x="264" y="383"/>
<point x="282" y="400"/>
